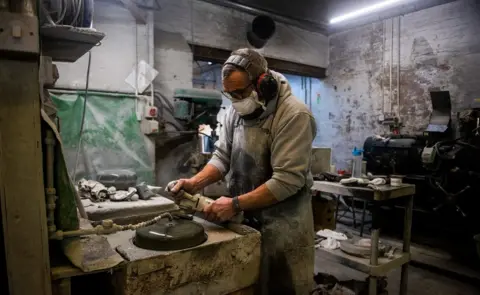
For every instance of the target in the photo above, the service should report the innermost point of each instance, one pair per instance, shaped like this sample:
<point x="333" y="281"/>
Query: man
<point x="265" y="146"/>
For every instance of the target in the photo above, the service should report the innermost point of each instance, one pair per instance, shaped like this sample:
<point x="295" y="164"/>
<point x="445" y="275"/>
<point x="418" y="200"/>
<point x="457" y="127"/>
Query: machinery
<point x="195" y="107"/>
<point x="445" y="168"/>
<point x="63" y="249"/>
<point x="190" y="133"/>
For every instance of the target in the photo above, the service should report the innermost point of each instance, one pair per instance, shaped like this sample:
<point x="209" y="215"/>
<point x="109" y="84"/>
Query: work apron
<point x="287" y="227"/>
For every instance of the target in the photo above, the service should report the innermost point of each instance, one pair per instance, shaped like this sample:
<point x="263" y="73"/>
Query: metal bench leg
<point x="336" y="209"/>
<point x="372" y="286"/>
<point x="407" y="235"/>
<point x="362" y="225"/>
<point x="353" y="214"/>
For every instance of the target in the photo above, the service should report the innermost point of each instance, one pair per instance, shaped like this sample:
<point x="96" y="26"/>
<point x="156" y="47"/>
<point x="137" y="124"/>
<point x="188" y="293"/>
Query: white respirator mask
<point x="247" y="105"/>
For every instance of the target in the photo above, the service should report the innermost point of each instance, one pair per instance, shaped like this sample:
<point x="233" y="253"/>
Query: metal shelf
<point x="67" y="43"/>
<point x="385" y="265"/>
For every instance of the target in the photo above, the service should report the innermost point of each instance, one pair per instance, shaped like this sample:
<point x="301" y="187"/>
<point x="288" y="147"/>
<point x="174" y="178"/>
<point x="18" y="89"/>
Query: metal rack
<point x="66" y="43"/>
<point x="376" y="266"/>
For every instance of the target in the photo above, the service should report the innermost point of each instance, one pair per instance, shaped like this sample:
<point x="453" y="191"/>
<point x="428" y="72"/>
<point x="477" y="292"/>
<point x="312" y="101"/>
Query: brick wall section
<point x="439" y="48"/>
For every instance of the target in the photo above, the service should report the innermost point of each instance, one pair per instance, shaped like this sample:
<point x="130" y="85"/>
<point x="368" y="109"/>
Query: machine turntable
<point x="168" y="235"/>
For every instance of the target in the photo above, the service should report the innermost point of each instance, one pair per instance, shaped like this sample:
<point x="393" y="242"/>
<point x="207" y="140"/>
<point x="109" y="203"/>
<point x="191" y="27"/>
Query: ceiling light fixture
<point x="363" y="11"/>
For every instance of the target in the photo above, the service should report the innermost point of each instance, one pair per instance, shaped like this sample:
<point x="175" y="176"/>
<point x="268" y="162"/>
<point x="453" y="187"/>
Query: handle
<point x="189" y="196"/>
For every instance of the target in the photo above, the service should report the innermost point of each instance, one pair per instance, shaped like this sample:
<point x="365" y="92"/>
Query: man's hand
<point x="220" y="210"/>
<point x="177" y="187"/>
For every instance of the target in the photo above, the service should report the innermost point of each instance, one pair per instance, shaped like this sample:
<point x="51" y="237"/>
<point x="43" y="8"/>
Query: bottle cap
<point x="357" y="152"/>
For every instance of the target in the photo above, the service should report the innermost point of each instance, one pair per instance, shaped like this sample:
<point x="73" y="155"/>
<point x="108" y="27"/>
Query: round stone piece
<point x="168" y="235"/>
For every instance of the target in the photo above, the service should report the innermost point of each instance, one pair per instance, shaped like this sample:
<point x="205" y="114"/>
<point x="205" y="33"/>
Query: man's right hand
<point x="177" y="187"/>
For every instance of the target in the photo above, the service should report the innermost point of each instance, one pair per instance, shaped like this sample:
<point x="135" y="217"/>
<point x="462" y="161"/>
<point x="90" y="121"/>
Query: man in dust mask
<point x="265" y="146"/>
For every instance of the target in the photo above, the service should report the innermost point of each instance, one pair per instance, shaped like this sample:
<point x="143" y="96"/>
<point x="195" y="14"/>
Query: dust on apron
<point x="286" y="227"/>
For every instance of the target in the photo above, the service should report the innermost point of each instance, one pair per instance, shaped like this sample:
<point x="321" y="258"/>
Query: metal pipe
<point x="303" y="24"/>
<point x="407" y="236"/>
<point x="50" y="176"/>
<point x="310" y="93"/>
<point x="391" y="61"/>
<point x="398" y="71"/>
<point x="151" y="53"/>
<point x="384" y="29"/>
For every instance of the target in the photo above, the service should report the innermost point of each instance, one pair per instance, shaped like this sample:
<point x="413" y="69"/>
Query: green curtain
<point x="111" y="135"/>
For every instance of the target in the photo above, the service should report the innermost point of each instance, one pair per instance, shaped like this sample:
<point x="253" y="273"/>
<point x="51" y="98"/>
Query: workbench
<point x="231" y="251"/>
<point x="375" y="267"/>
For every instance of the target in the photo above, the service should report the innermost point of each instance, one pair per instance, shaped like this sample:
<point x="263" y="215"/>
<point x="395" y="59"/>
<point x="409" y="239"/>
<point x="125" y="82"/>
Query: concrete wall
<point x="439" y="48"/>
<point x="124" y="45"/>
<point x="216" y="26"/>
<point x="191" y="21"/>
<point x="177" y="24"/>
<point x="166" y="47"/>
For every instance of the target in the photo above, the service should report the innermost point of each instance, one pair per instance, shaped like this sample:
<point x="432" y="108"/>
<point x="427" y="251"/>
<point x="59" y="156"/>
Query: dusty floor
<point x="421" y="282"/>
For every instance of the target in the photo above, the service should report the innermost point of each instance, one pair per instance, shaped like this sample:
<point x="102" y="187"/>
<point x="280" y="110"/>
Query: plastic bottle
<point x="357" y="162"/>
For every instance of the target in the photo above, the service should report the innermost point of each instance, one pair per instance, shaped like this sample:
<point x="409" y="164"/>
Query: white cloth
<point x="326" y="233"/>
<point x="330" y="244"/>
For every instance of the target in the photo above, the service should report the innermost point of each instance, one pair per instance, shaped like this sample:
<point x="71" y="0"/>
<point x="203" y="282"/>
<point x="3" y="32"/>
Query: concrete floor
<point x="421" y="282"/>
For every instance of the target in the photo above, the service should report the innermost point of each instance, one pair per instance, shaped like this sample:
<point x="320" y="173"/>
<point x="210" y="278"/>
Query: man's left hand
<point x="221" y="209"/>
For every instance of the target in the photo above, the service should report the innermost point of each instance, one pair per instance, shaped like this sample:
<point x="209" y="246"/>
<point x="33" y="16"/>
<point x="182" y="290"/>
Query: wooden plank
<point x="385" y="265"/>
<point x="384" y="192"/>
<point x="69" y="271"/>
<point x="21" y="179"/>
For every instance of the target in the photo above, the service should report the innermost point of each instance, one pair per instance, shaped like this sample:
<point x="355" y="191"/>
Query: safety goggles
<point x="237" y="94"/>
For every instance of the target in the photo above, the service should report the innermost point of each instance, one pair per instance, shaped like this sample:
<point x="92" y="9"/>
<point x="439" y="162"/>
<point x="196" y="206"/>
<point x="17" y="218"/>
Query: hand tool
<point x="196" y="202"/>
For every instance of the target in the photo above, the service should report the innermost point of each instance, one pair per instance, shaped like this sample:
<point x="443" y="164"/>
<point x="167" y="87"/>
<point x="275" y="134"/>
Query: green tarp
<point x="111" y="136"/>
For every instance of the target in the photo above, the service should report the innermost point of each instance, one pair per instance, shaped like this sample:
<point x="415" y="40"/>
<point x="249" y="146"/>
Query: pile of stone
<point x="97" y="192"/>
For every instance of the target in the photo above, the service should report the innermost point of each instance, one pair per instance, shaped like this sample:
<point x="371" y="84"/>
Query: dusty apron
<point x="286" y="227"/>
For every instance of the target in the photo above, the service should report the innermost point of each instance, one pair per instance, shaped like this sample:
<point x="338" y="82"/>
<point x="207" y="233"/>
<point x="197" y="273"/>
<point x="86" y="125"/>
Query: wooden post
<point x="22" y="195"/>
<point x="21" y="180"/>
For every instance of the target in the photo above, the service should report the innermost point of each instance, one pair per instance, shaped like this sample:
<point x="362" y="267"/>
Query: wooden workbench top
<point x="382" y="193"/>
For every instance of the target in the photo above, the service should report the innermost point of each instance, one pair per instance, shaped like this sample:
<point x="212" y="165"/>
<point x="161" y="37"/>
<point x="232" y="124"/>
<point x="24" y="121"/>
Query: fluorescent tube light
<point x="363" y="11"/>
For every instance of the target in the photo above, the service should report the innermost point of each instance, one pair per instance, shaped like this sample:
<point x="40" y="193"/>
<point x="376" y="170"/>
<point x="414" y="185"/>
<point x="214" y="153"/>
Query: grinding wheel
<point x="168" y="235"/>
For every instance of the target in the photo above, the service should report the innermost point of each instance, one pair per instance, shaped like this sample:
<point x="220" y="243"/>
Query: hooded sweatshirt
<point x="292" y="128"/>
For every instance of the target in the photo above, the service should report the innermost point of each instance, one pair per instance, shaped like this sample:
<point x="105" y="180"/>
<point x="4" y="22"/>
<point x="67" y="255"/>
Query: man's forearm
<point x="209" y="174"/>
<point x="259" y="198"/>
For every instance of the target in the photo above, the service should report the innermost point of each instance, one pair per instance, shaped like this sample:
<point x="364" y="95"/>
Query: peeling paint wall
<point x="439" y="48"/>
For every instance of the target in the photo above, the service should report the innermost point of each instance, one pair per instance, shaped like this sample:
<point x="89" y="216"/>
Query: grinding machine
<point x="160" y="246"/>
<point x="182" y="254"/>
<point x="154" y="245"/>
